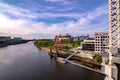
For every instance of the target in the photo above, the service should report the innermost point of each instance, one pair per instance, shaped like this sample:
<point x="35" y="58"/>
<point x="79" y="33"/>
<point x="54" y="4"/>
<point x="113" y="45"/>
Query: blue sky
<point x="46" y="18"/>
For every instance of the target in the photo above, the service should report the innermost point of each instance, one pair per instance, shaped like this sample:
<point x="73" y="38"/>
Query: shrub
<point x="98" y="58"/>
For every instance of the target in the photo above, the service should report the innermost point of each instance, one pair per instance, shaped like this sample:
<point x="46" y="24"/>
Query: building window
<point x="119" y="50"/>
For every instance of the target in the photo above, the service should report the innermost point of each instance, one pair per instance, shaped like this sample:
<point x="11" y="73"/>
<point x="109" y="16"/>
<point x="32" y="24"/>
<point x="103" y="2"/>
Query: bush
<point x="98" y="58"/>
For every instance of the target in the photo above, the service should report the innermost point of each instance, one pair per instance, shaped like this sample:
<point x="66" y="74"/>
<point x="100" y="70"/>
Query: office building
<point x="102" y="42"/>
<point x="88" y="44"/>
<point x="113" y="69"/>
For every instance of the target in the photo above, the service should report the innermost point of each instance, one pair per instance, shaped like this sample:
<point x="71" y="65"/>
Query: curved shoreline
<point x="45" y="49"/>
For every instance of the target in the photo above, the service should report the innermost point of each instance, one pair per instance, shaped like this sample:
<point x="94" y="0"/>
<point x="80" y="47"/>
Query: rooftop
<point x="101" y="33"/>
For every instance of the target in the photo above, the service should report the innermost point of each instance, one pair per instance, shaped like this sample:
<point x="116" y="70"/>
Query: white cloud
<point x="63" y="2"/>
<point x="54" y="0"/>
<point x="29" y="14"/>
<point x="16" y="11"/>
<point x="30" y="29"/>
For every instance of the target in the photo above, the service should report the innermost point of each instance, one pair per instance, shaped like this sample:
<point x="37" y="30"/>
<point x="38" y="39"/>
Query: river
<point x="26" y="62"/>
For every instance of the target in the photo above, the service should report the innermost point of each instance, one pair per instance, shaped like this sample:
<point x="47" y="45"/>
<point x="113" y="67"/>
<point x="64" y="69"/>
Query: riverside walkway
<point x="77" y="64"/>
<point x="70" y="56"/>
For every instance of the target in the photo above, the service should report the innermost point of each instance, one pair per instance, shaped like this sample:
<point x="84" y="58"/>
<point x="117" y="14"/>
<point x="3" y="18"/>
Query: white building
<point x="102" y="42"/>
<point x="113" y="69"/>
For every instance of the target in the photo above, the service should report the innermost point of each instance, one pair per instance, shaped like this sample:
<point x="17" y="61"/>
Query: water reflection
<point x="26" y="62"/>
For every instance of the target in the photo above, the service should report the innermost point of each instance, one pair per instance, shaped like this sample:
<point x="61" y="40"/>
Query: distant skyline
<point x="46" y="18"/>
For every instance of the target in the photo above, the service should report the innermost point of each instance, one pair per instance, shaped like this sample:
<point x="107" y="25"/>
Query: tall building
<point x="114" y="24"/>
<point x="114" y="32"/>
<point x="102" y="42"/>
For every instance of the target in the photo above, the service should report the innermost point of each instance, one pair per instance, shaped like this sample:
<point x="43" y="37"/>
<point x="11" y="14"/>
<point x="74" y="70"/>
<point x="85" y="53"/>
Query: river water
<point x="26" y="62"/>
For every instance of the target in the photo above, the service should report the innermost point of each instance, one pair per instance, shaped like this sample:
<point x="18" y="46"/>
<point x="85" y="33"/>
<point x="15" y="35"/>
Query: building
<point x="113" y="69"/>
<point x="114" y="31"/>
<point x="66" y="37"/>
<point x="18" y="38"/>
<point x="102" y="42"/>
<point x="114" y="25"/>
<point x="2" y="38"/>
<point x="83" y="37"/>
<point x="88" y="44"/>
<point x="75" y="38"/>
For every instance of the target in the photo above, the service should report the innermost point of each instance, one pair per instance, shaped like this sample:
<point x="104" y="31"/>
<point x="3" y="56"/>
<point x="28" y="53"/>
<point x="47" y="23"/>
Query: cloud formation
<point x="18" y="21"/>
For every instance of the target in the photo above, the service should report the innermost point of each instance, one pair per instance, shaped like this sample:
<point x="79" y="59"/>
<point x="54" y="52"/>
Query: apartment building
<point x="114" y="24"/>
<point x="101" y="42"/>
<point x="114" y="31"/>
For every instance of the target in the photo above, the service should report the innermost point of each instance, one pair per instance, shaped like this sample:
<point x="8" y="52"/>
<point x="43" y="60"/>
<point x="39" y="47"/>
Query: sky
<point x="46" y="18"/>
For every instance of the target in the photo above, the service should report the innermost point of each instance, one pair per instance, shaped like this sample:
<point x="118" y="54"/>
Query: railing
<point x="70" y="56"/>
<point x="116" y="55"/>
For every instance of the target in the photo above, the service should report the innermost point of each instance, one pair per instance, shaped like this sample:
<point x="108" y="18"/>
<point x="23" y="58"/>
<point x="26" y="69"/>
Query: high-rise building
<point x="114" y="33"/>
<point x="101" y="42"/>
<point x="114" y="25"/>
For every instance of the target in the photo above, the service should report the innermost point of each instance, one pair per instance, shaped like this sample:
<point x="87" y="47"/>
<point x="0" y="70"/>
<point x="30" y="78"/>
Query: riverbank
<point x="85" y="61"/>
<point x="45" y="49"/>
<point x="81" y="63"/>
<point x="78" y="64"/>
<point x="55" y="52"/>
<point x="77" y="59"/>
<point x="81" y="60"/>
<point x="11" y="42"/>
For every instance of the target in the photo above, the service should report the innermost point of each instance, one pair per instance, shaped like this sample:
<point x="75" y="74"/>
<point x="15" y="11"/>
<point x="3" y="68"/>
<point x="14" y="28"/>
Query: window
<point x="114" y="26"/>
<point x="119" y="50"/>
<point x="113" y="14"/>
<point x="114" y="20"/>
<point x="113" y="2"/>
<point x="113" y="8"/>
